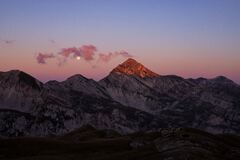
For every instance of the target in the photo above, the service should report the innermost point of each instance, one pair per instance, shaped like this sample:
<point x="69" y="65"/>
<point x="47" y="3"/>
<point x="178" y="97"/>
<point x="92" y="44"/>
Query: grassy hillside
<point x="90" y="144"/>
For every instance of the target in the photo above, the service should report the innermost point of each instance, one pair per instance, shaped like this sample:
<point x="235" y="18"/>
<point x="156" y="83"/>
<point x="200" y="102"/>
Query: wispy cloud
<point x="52" y="41"/>
<point x="108" y="57"/>
<point x="8" y="41"/>
<point x="42" y="57"/>
<point x="67" y="52"/>
<point x="85" y="52"/>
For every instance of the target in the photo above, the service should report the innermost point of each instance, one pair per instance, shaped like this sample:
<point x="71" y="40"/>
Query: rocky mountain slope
<point x="131" y="98"/>
<point x="209" y="104"/>
<point x="30" y="108"/>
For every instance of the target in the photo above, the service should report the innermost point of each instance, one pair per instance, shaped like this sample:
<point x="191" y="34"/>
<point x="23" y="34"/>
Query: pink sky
<point x="186" y="62"/>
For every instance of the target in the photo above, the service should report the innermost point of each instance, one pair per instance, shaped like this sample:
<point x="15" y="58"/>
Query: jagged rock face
<point x="209" y="104"/>
<point x="151" y="92"/>
<point x="132" y="67"/>
<point x="88" y="86"/>
<point x="59" y="107"/>
<point x="135" y="92"/>
<point x="19" y="91"/>
<point x="127" y="100"/>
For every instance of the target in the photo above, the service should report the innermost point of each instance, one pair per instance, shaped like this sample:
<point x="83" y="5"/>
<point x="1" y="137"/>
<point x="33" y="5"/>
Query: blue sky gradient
<point x="164" y="35"/>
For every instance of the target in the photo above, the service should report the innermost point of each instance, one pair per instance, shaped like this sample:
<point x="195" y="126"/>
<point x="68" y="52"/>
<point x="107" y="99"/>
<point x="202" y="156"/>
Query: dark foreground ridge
<point x="88" y="143"/>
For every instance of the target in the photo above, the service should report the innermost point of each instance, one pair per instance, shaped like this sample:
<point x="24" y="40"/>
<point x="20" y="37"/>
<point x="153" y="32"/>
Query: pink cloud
<point x="87" y="52"/>
<point x="105" y="57"/>
<point x="66" y="52"/>
<point x="41" y="57"/>
<point x="108" y="57"/>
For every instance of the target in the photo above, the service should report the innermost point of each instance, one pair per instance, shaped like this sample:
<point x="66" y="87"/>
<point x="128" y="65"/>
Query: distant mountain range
<point x="131" y="98"/>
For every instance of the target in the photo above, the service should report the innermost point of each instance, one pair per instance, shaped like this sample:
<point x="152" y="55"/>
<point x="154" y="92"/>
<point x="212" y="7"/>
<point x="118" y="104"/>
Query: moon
<point x="78" y="58"/>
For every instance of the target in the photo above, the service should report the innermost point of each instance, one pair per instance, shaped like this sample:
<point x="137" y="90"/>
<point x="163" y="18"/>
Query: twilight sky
<point x="189" y="38"/>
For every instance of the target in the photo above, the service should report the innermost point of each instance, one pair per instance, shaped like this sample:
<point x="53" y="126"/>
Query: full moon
<point x="78" y="57"/>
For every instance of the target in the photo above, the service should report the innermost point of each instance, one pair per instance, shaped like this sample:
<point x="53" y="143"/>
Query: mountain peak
<point x="222" y="79"/>
<point x="18" y="77"/>
<point x="132" y="67"/>
<point x="130" y="60"/>
<point x="77" y="77"/>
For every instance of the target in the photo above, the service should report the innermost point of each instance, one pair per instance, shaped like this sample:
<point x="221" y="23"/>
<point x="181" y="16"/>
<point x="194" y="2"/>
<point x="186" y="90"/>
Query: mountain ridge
<point x="123" y="102"/>
<point x="127" y="62"/>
